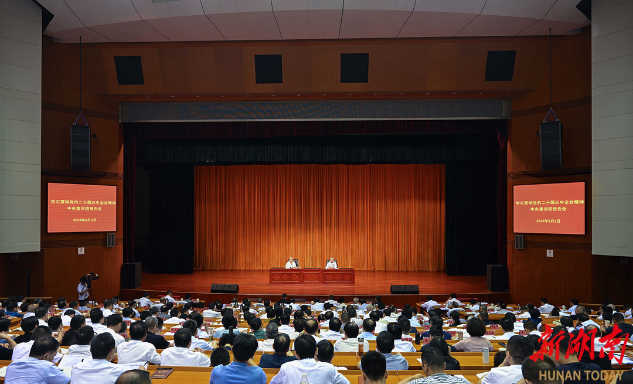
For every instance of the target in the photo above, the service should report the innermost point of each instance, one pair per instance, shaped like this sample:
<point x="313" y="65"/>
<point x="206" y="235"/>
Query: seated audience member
<point x="127" y="313"/>
<point x="457" y="320"/>
<point x="446" y="349"/>
<point x="199" y="323"/>
<point x="535" y="339"/>
<point x="226" y="341"/>
<point x="476" y="342"/>
<point x="317" y="372"/>
<point x="325" y="353"/>
<point x="351" y="343"/>
<point x="311" y="327"/>
<point x="436" y="320"/>
<point x="114" y="323"/>
<point x="76" y="323"/>
<point x="369" y="325"/>
<point x="617" y="319"/>
<point x="530" y="328"/>
<point x="220" y="356"/>
<point x="430" y="303"/>
<point x="545" y="306"/>
<point x="174" y="317"/>
<point x="55" y="323"/>
<point x="137" y="351"/>
<point x="41" y="314"/>
<point x="433" y="367"/>
<point x="228" y="321"/>
<point x="453" y="299"/>
<point x="242" y="369"/>
<point x="377" y="316"/>
<point x="375" y="371"/>
<point x="134" y="376"/>
<point x="499" y="358"/>
<point x="555" y="312"/>
<point x="81" y="348"/>
<point x="573" y="303"/>
<point x="83" y="306"/>
<point x="272" y="331"/>
<point x="395" y="329"/>
<point x="286" y="328"/>
<point x="11" y="310"/>
<point x="519" y="348"/>
<point x="154" y="328"/>
<point x="502" y="308"/>
<point x="6" y="352"/>
<point x="97" y="320"/>
<point x="145" y="301"/>
<point x="196" y="342"/>
<point x="508" y="328"/>
<point x="181" y="355"/>
<point x="385" y="345"/>
<point x="334" y="333"/>
<point x="436" y="332"/>
<point x="38" y="367"/>
<point x="568" y="323"/>
<point x="99" y="369"/>
<point x="281" y="346"/>
<point x="108" y="308"/>
<point x="541" y="371"/>
<point x="474" y="305"/>
<point x="299" y="325"/>
<point x="535" y="316"/>
<point x="405" y="324"/>
<point x="256" y="328"/>
<point x="168" y="297"/>
<point x="27" y="324"/>
<point x="67" y="316"/>
<point x="571" y="363"/>
<point x="603" y="362"/>
<point x="483" y="316"/>
<point x="164" y="312"/>
<point x="21" y="351"/>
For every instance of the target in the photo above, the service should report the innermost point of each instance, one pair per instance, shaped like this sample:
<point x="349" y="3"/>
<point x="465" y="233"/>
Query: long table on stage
<point x="311" y="276"/>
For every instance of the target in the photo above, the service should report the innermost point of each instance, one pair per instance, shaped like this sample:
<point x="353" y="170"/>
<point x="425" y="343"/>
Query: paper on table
<point x="3" y="371"/>
<point x="626" y="361"/>
<point x="482" y="374"/>
<point x="590" y="322"/>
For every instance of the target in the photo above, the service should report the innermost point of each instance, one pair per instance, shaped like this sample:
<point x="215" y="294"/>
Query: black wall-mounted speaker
<point x="496" y="278"/>
<point x="354" y="67"/>
<point x="129" y="70"/>
<point x="110" y="240"/>
<point x="268" y="69"/>
<point x="551" y="145"/>
<point x="518" y="241"/>
<point x="131" y="275"/>
<point x="500" y="65"/>
<point x="80" y="148"/>
<point x="225" y="288"/>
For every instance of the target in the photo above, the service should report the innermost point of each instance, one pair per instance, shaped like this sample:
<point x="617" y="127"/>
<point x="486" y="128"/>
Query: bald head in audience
<point x="135" y="376"/>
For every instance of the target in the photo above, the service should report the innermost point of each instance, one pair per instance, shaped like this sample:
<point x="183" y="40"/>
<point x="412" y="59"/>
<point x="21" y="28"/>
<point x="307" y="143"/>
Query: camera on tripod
<point x="90" y="277"/>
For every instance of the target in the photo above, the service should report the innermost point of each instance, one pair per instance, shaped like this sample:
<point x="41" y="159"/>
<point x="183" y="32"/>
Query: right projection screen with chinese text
<point x="550" y="208"/>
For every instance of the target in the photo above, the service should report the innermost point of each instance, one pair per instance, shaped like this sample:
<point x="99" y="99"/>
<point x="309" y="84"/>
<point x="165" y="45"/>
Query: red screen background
<point x="550" y="208"/>
<point x="81" y="208"/>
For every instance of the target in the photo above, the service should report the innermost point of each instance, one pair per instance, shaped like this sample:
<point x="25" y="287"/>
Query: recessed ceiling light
<point x="248" y="95"/>
<point x="507" y="92"/>
<point x="454" y="93"/>
<point x="121" y="96"/>
<point x="480" y="93"/>
<point x="298" y="95"/>
<point x="273" y="95"/>
<point x="173" y="96"/>
<point x="428" y="93"/>
<point x="402" y="93"/>
<point x="197" y="96"/>
<point x="324" y="94"/>
<point x="147" y="97"/>
<point x="222" y="95"/>
<point x="349" y="94"/>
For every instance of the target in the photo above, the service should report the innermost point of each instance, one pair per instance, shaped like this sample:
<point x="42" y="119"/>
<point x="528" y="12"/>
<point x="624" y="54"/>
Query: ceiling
<point x="100" y="21"/>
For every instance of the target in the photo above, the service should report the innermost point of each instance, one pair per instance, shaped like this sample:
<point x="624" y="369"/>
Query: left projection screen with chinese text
<point x="81" y="208"/>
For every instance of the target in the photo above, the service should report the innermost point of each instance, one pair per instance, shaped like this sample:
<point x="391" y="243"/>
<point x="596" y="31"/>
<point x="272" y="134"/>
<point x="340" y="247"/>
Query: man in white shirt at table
<point x="180" y="355"/>
<point x="169" y="298"/>
<point x="99" y="369"/>
<point x="334" y="331"/>
<point x="519" y="348"/>
<point x="317" y="372"/>
<point x="545" y="306"/>
<point x="38" y="367"/>
<point x="508" y="329"/>
<point x="351" y="343"/>
<point x="137" y="351"/>
<point x="114" y="323"/>
<point x="145" y="301"/>
<point x="430" y="303"/>
<point x="331" y="264"/>
<point x="22" y="350"/>
<point x="292" y="263"/>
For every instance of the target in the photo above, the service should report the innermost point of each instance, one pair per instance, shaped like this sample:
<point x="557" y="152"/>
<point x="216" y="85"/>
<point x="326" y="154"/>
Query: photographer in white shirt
<point x="82" y="288"/>
<point x="292" y="263"/>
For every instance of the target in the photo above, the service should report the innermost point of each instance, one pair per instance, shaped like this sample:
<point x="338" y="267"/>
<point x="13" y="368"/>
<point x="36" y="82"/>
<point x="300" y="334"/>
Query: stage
<point x="254" y="283"/>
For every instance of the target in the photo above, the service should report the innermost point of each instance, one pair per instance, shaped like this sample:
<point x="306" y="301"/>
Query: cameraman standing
<point x="83" y="288"/>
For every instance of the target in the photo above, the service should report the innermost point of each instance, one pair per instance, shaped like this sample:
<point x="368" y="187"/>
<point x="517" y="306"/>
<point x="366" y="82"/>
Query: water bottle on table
<point x="304" y="379"/>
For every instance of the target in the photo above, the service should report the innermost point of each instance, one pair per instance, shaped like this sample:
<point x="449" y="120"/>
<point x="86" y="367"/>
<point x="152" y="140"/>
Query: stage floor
<point x="367" y="283"/>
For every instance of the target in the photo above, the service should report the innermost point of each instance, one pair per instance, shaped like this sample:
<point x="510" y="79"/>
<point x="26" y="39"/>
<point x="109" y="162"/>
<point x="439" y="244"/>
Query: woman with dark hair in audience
<point x="441" y="344"/>
<point x="457" y="320"/>
<point x="476" y="342"/>
<point x="76" y="322"/>
<point x="226" y="340"/>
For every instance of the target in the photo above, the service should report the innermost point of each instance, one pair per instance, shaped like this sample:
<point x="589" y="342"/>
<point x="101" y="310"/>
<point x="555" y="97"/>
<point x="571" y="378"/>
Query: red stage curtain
<point x="369" y="217"/>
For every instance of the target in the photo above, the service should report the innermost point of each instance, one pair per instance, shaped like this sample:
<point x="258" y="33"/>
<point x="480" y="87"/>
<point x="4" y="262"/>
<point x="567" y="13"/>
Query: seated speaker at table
<point x="292" y="263"/>
<point x="331" y="264"/>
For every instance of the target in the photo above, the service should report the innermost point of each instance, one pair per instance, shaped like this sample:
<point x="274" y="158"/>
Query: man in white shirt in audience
<point x="145" y="301"/>
<point x="180" y="355"/>
<point x="271" y="333"/>
<point x="474" y="305"/>
<point x="519" y="348"/>
<point x="286" y="328"/>
<point x="137" y="351"/>
<point x="23" y="350"/>
<point x="351" y="343"/>
<point x="292" y="264"/>
<point x="395" y="329"/>
<point x="99" y="369"/>
<point x="508" y="329"/>
<point x="41" y="313"/>
<point x="385" y="345"/>
<point x="114" y="324"/>
<point x="331" y="300"/>
<point x="317" y="306"/>
<point x="38" y="367"/>
<point x="82" y="349"/>
<point x="433" y="366"/>
<point x="211" y="312"/>
<point x="331" y="264"/>
<point x="67" y="316"/>
<point x="196" y="342"/>
<point x="573" y="303"/>
<point x="174" y="319"/>
<point x="97" y="320"/>
<point x="545" y="306"/>
<point x="430" y="303"/>
<point x="108" y="308"/>
<point x="317" y="372"/>
<point x="334" y="331"/>
<point x="168" y="297"/>
<point x="452" y="299"/>
<point x="369" y="325"/>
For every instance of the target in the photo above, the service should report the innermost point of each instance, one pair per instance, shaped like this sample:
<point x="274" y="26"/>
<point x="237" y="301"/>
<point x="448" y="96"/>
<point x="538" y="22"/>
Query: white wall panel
<point x="20" y="125"/>
<point x="612" y="127"/>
